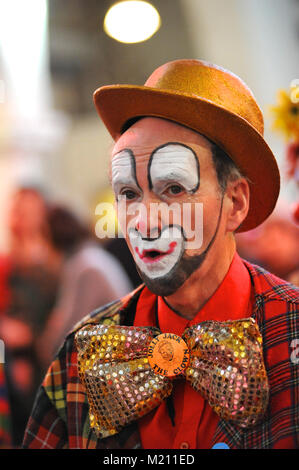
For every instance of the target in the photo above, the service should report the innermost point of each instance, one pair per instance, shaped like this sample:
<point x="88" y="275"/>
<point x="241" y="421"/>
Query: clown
<point x="195" y="355"/>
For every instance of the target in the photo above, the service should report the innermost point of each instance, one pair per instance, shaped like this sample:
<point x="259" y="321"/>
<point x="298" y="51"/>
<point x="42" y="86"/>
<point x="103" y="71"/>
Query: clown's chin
<point x="175" y="278"/>
<point x="162" y="286"/>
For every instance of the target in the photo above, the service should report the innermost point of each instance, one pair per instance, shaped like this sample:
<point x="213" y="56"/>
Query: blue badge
<point x="220" y="445"/>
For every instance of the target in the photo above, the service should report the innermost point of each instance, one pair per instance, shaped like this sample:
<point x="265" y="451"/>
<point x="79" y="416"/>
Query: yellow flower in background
<point x="286" y="114"/>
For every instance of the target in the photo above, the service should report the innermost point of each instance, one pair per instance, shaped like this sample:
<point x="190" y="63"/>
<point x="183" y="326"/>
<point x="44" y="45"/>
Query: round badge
<point x="168" y="355"/>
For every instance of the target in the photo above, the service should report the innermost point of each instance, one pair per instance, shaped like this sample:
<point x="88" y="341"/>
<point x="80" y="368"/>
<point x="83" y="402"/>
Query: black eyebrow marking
<point x="133" y="163"/>
<point x="149" y="179"/>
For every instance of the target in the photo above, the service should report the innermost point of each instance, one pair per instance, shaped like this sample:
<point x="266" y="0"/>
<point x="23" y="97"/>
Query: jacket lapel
<point x="129" y="437"/>
<point x="235" y="437"/>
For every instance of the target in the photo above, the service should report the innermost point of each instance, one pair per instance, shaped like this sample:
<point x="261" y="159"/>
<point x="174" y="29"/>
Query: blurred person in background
<point x="28" y="283"/>
<point x="118" y="248"/>
<point x="274" y="244"/>
<point x="90" y="277"/>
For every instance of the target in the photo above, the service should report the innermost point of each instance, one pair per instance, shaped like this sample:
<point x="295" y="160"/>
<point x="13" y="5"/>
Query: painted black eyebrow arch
<point x="133" y="163"/>
<point x="149" y="179"/>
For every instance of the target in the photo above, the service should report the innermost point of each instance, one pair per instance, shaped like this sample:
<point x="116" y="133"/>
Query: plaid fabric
<point x="5" y="437"/>
<point x="60" y="416"/>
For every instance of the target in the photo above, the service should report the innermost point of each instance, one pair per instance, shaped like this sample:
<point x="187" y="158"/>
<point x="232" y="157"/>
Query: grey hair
<point x="226" y="169"/>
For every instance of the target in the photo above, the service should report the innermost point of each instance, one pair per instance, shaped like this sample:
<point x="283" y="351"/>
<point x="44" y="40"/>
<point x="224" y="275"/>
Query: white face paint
<point x="174" y="163"/>
<point x="169" y="245"/>
<point x="123" y="172"/>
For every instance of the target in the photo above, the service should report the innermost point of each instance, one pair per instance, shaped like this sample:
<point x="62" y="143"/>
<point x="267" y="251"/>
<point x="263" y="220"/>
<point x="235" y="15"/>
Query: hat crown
<point x="207" y="81"/>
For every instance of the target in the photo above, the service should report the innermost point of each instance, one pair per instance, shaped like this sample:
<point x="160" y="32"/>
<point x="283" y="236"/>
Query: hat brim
<point x="117" y="104"/>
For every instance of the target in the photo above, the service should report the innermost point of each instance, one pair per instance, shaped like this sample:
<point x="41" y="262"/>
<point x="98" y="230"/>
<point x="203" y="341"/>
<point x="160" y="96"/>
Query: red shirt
<point x="195" y="421"/>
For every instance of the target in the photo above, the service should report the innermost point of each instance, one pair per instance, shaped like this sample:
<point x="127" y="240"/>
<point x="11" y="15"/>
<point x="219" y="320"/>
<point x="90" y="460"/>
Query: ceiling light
<point x="132" y="21"/>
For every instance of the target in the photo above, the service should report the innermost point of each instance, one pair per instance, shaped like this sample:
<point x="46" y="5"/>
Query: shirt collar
<point x="231" y="301"/>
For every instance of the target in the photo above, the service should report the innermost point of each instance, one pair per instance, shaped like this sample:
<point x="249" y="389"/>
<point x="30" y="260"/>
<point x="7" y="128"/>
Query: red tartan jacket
<point x="60" y="416"/>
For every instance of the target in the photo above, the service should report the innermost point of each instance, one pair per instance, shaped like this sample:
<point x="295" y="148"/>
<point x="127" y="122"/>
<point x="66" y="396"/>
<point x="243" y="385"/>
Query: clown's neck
<point x="202" y="284"/>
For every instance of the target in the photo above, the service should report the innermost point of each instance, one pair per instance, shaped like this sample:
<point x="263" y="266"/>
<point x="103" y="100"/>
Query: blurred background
<point x="54" y="154"/>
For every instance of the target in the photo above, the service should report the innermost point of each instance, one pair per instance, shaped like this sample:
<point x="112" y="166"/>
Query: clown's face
<point x="159" y="162"/>
<point x="166" y="351"/>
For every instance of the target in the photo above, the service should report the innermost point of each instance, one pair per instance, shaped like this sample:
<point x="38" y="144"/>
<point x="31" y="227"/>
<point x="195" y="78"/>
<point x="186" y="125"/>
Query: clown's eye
<point x="128" y="194"/>
<point x="174" y="189"/>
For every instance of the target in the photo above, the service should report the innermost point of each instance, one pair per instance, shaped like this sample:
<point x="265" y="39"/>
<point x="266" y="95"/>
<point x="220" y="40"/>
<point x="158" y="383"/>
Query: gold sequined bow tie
<point x="222" y="360"/>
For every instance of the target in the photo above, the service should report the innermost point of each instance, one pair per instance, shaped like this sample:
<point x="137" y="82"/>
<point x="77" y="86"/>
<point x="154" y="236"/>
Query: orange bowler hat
<point x="213" y="102"/>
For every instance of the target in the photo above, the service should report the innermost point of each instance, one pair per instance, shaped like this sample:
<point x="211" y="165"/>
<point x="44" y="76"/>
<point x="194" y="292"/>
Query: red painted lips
<point x="152" y="256"/>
